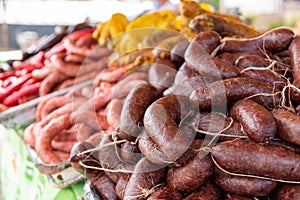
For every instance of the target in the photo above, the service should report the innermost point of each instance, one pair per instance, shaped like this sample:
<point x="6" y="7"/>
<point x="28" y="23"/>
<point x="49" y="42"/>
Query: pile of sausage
<point x="218" y="120"/>
<point x="75" y="59"/>
<point x="62" y="121"/>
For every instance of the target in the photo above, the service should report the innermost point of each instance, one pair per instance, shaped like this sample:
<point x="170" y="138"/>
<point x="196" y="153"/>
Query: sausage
<point x="247" y="157"/>
<point x="145" y="176"/>
<point x="29" y="136"/>
<point x="274" y="40"/>
<point x="123" y="87"/>
<point x="161" y="76"/>
<point x="114" y="109"/>
<point x="287" y="192"/>
<point x="232" y="58"/>
<point x="52" y="104"/>
<point x="254" y="61"/>
<point x="73" y="70"/>
<point x="133" y="110"/>
<point x="219" y="93"/>
<point x="95" y="138"/>
<point x="160" y="122"/>
<point x="201" y="62"/>
<point x="226" y="70"/>
<point x="151" y="150"/>
<point x="64" y="146"/>
<point x="288" y="125"/>
<point x="209" y="40"/>
<point x="110" y="74"/>
<point x="265" y="75"/>
<point x="93" y="119"/>
<point x="165" y="194"/>
<point x="243" y="185"/>
<point x="185" y="72"/>
<point x="130" y="152"/>
<point x="43" y="140"/>
<point x="177" y="52"/>
<point x="295" y="58"/>
<point x="105" y="187"/>
<point x="108" y="155"/>
<point x="236" y="197"/>
<point x="193" y="174"/>
<point x="121" y="185"/>
<point x="207" y="191"/>
<point x="42" y="73"/>
<point x="74" y="58"/>
<point x="186" y="87"/>
<point x="79" y="79"/>
<point x="215" y="122"/>
<point x="50" y="82"/>
<point x="257" y="121"/>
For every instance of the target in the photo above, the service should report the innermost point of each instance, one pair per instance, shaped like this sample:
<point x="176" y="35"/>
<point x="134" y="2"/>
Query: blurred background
<point x="23" y="22"/>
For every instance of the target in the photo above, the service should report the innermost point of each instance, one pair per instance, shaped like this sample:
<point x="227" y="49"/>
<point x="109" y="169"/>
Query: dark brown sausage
<point x="266" y="76"/>
<point x="288" y="192"/>
<point x="200" y="61"/>
<point x="258" y="123"/>
<point x="193" y="174"/>
<point x="161" y="119"/>
<point x="133" y="110"/>
<point x="165" y="194"/>
<point x="288" y="125"/>
<point x="232" y="58"/>
<point x="214" y="122"/>
<point x="121" y="185"/>
<point x="207" y="191"/>
<point x="247" y="157"/>
<point x="151" y="150"/>
<point x="161" y="76"/>
<point x="226" y="70"/>
<point x="177" y="52"/>
<point x="236" y="197"/>
<point x="186" y="87"/>
<point x="243" y="185"/>
<point x="105" y="187"/>
<point x="130" y="152"/>
<point x="254" y="61"/>
<point x="185" y="72"/>
<point x="145" y="176"/>
<point x="221" y="93"/>
<point x="274" y="40"/>
<point x="209" y="40"/>
<point x="295" y="58"/>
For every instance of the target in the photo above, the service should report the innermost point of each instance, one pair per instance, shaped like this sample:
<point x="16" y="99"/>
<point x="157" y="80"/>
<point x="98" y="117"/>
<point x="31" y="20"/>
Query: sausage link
<point x="247" y="157"/>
